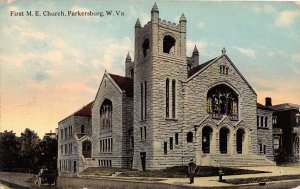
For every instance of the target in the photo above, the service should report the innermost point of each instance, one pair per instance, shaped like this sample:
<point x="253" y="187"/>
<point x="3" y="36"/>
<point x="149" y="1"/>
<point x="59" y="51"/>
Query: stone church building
<point x="167" y="109"/>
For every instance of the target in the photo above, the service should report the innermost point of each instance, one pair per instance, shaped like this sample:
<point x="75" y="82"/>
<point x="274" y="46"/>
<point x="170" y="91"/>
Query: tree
<point x="48" y="153"/>
<point x="29" y="149"/>
<point x="9" y="150"/>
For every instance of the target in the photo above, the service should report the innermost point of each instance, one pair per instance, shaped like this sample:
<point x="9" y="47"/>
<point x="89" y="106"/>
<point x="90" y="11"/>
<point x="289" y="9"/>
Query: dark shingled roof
<point x="285" y="106"/>
<point x="262" y="107"/>
<point x="79" y="136"/>
<point x="85" y="111"/>
<point x="125" y="83"/>
<point x="197" y="68"/>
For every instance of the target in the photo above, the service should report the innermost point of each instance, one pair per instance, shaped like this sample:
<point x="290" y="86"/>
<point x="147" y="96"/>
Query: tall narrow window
<point x="100" y="145"/>
<point x="82" y="128"/>
<point x="141" y="129"/>
<point x="257" y="121"/>
<point x="176" y="138"/>
<point x="171" y="143"/>
<point x="111" y="143"/>
<point x="165" y="148"/>
<point x="145" y="133"/>
<point x="145" y="99"/>
<point x="108" y="145"/>
<point x="265" y="149"/>
<point x="167" y="98"/>
<point x="262" y="121"/>
<point x="266" y="121"/>
<point x="142" y="103"/>
<point x="173" y="98"/>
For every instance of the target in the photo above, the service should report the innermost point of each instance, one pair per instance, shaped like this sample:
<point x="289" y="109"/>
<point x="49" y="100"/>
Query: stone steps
<point x="241" y="160"/>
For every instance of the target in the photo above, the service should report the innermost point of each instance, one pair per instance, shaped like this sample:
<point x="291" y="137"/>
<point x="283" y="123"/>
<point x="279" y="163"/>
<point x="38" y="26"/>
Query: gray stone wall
<point x="196" y="97"/>
<point x="65" y="161"/>
<point x="265" y="132"/>
<point x="109" y="90"/>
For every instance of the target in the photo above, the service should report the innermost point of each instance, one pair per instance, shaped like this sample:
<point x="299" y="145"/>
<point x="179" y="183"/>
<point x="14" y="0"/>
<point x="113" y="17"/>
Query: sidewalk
<point x="213" y="181"/>
<point x="23" y="179"/>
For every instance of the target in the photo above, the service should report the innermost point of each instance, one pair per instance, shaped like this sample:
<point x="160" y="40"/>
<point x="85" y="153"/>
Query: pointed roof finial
<point x="128" y="58"/>
<point x="223" y="51"/>
<point x="182" y="18"/>
<point x="195" y="50"/>
<point x="138" y="24"/>
<point x="154" y="8"/>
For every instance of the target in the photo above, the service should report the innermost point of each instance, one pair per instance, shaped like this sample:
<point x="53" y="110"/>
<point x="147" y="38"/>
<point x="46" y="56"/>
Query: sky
<point x="51" y="66"/>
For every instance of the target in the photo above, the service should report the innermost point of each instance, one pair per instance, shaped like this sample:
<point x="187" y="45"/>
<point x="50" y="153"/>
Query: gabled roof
<point x="285" y="106"/>
<point x="262" y="107"/>
<point x="205" y="65"/>
<point x="125" y="83"/>
<point x="79" y="136"/>
<point x="199" y="67"/>
<point x="85" y="111"/>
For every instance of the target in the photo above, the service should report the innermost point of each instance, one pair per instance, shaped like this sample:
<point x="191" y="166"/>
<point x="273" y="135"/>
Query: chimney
<point x="268" y="101"/>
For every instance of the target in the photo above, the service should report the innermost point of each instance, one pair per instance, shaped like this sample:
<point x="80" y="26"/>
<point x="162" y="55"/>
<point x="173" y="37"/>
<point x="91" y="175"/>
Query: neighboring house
<point x="51" y="135"/>
<point x="265" y="131"/>
<point x="74" y="142"/>
<point x="168" y="109"/>
<point x="286" y="127"/>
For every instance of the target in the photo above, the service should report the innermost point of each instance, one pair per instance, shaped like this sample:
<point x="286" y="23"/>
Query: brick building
<point x="169" y="108"/>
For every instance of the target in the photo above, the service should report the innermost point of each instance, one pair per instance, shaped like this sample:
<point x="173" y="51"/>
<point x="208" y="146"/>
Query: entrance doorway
<point x="143" y="160"/>
<point x="206" y="139"/>
<point x="224" y="136"/>
<point x="240" y="135"/>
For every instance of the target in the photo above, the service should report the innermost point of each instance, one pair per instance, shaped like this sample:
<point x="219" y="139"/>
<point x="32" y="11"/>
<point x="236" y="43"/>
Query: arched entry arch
<point x="207" y="133"/>
<point x="87" y="149"/>
<point x="240" y="139"/>
<point x="224" y="136"/>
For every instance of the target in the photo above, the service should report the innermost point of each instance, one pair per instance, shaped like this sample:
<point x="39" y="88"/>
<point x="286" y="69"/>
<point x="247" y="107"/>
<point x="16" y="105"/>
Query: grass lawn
<point x="172" y="172"/>
<point x="262" y="179"/>
<point x="296" y="165"/>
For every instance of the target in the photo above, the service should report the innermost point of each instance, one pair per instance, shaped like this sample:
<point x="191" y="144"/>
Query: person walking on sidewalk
<point x="191" y="170"/>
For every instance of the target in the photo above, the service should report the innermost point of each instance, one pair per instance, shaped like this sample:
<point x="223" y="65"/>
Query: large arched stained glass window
<point x="222" y="100"/>
<point x="106" y="115"/>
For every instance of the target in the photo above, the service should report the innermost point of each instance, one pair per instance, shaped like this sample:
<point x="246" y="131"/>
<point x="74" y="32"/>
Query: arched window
<point x="145" y="46"/>
<point x="169" y="44"/>
<point x="106" y="114"/>
<point x="222" y="100"/>
<point x="87" y="149"/>
<point x="167" y="98"/>
<point x="189" y="137"/>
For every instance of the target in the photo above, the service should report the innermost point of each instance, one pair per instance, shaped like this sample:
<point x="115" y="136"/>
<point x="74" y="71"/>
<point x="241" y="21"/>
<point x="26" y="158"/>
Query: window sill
<point x="143" y="121"/>
<point x="171" y="119"/>
<point x="106" y="152"/>
<point x="264" y="128"/>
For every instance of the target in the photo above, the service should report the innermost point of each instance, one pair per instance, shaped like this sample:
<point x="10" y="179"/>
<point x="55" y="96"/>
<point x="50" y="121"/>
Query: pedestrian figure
<point x="191" y="170"/>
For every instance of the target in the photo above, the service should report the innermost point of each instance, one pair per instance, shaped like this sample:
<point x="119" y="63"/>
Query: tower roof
<point x="182" y="18"/>
<point x="154" y="8"/>
<point x="195" y="51"/>
<point x="138" y="24"/>
<point x="128" y="57"/>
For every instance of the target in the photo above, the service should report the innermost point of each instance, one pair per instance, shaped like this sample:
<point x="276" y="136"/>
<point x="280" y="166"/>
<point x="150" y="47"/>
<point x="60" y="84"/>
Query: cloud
<point x="296" y="57"/>
<point x="34" y="34"/>
<point x="263" y="9"/>
<point x="286" y="17"/>
<point x="200" y="24"/>
<point x="114" y="55"/>
<point x="201" y="46"/>
<point x="247" y="52"/>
